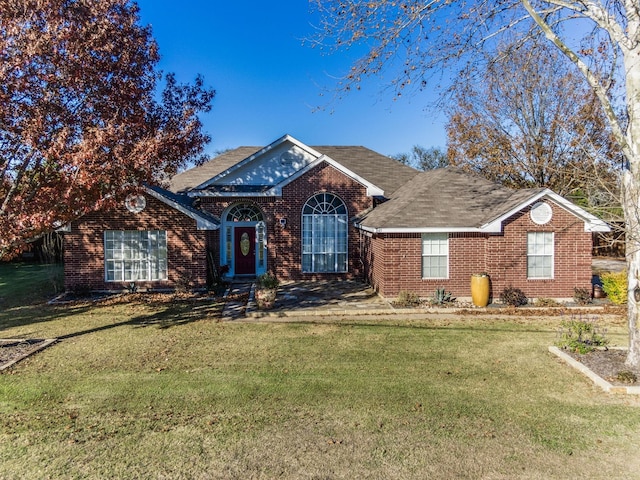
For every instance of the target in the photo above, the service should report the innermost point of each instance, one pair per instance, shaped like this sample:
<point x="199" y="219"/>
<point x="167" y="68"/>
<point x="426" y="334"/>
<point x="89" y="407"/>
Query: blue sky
<point x="268" y="82"/>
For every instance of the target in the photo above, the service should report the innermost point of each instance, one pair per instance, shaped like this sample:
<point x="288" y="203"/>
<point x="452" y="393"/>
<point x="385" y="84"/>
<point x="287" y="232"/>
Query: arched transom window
<point x="243" y="212"/>
<point x="324" y="234"/>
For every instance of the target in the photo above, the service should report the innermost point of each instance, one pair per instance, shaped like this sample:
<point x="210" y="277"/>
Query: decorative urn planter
<point x="265" y="298"/>
<point x="598" y="292"/>
<point x="480" y="289"/>
<point x="266" y="290"/>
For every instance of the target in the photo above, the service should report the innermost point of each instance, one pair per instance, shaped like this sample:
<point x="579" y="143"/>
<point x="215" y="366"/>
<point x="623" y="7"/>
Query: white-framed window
<point x="243" y="212"/>
<point x="135" y="255"/>
<point x="435" y="255"/>
<point x="324" y="234"/>
<point x="540" y="247"/>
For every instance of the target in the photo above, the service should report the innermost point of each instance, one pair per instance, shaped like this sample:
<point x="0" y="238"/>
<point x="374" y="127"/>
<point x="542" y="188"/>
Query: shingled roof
<point x="383" y="172"/>
<point x="189" y="179"/>
<point x="378" y="169"/>
<point x="448" y="199"/>
<point x="204" y="220"/>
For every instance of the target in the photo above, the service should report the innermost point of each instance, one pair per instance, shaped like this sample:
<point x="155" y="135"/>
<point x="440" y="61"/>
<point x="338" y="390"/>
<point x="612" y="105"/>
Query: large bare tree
<point x="80" y="123"/>
<point x="526" y="118"/>
<point x="426" y="40"/>
<point x="423" y="158"/>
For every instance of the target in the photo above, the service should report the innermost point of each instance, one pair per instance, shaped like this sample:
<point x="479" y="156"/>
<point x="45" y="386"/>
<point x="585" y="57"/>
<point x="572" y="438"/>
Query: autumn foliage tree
<point x="525" y="118"/>
<point x="81" y="122"/>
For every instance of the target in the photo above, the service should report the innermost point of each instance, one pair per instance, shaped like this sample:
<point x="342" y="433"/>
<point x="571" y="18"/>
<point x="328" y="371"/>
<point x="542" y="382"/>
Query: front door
<point x="244" y="250"/>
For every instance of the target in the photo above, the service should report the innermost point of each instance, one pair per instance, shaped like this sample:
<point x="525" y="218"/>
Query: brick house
<point x="309" y="213"/>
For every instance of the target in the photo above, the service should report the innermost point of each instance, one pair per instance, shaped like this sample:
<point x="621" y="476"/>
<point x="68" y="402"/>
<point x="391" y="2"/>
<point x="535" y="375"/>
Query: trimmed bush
<point x="614" y="285"/>
<point x="581" y="296"/>
<point x="514" y="297"/>
<point x="407" y="299"/>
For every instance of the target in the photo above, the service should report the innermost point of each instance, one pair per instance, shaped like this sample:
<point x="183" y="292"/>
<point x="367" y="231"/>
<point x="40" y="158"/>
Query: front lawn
<point x="28" y="283"/>
<point x="154" y="389"/>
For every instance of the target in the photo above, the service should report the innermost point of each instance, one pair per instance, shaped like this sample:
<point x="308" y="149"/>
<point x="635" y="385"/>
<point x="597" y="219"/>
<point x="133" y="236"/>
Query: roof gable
<point x="449" y="200"/>
<point x="189" y="179"/>
<point x="183" y="204"/>
<point x="253" y="171"/>
<point x="264" y="169"/>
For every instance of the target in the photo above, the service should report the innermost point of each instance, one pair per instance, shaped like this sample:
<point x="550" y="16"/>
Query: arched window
<point x="324" y="234"/>
<point x="243" y="212"/>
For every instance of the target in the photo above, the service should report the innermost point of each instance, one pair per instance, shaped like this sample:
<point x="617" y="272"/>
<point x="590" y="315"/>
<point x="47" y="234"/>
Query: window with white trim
<point x="435" y="255"/>
<point x="135" y="255"/>
<point x="324" y="234"/>
<point x="540" y="246"/>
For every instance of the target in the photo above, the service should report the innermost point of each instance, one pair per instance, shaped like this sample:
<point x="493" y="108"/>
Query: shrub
<point x="581" y="296"/>
<point x="626" y="376"/>
<point x="81" y="290"/>
<point x="267" y="281"/>
<point x="614" y="285"/>
<point x="581" y="335"/>
<point x="547" y="302"/>
<point x="183" y="283"/>
<point x="441" y="296"/>
<point x="407" y="299"/>
<point x="513" y="296"/>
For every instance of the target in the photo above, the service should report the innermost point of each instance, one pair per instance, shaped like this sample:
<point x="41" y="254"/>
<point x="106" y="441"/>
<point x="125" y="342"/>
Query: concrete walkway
<point x="307" y="298"/>
<point x="335" y="298"/>
<point x="604" y="264"/>
<point x="237" y="298"/>
<point x="323" y="298"/>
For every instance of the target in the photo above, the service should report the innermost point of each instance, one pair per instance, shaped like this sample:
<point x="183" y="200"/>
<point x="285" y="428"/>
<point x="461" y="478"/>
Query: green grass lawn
<point x="162" y="389"/>
<point x="27" y="283"/>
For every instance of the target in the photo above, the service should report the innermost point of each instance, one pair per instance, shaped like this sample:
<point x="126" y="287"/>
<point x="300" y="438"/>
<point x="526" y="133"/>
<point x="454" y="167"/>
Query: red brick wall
<point x="396" y="259"/>
<point x="285" y="244"/>
<point x="84" y="246"/>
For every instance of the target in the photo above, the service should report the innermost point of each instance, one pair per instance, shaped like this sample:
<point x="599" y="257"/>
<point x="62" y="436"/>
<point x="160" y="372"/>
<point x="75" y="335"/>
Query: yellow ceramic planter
<point x="480" y="287"/>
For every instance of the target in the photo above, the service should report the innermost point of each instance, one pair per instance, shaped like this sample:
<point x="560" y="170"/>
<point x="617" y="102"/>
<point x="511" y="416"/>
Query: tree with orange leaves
<point x="80" y="125"/>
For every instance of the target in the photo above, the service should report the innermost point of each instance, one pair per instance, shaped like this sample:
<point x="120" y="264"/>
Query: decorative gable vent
<point x="135" y="203"/>
<point x="541" y="213"/>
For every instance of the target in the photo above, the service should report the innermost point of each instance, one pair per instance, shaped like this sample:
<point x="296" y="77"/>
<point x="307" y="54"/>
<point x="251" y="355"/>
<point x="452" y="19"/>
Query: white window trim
<point x="339" y="217"/>
<point x="425" y="237"/>
<point x="142" y="255"/>
<point x="553" y="256"/>
<point x="254" y="219"/>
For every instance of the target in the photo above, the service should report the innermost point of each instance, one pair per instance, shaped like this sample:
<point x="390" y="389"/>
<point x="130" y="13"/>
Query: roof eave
<point x="426" y="229"/>
<point x="372" y="190"/>
<point x="202" y="223"/>
<point x="591" y="222"/>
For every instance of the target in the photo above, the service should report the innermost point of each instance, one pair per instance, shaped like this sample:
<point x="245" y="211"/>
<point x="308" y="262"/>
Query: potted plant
<point x="266" y="289"/>
<point x="480" y="289"/>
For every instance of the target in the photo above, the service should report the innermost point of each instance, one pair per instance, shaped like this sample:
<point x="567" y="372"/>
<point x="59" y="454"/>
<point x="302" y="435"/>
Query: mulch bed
<point x="607" y="364"/>
<point x="13" y="350"/>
